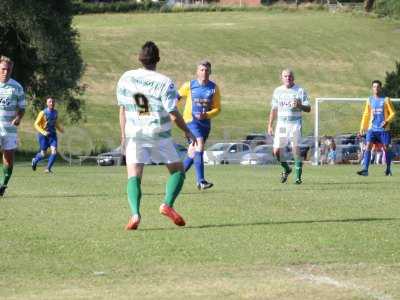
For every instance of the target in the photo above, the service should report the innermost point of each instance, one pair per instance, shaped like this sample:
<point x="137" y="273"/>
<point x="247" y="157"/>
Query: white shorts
<point x="286" y="133"/>
<point x="158" y="151"/>
<point x="9" y="142"/>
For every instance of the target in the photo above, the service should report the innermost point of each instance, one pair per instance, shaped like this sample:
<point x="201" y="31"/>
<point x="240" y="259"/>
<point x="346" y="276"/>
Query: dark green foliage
<point x="106" y="6"/>
<point x="390" y="8"/>
<point x="392" y="89"/>
<point x="38" y="36"/>
<point x="92" y="7"/>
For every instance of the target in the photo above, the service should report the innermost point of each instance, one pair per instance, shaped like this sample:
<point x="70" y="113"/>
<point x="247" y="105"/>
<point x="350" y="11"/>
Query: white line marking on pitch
<point x="344" y="285"/>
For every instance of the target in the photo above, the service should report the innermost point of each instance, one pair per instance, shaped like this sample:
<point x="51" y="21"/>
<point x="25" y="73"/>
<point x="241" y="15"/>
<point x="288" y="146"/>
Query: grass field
<point x="332" y="55"/>
<point x="250" y="237"/>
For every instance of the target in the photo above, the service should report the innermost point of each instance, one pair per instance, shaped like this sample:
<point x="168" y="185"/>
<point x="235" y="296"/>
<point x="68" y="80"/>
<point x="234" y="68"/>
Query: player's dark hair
<point x="149" y="54"/>
<point x="377" y="81"/>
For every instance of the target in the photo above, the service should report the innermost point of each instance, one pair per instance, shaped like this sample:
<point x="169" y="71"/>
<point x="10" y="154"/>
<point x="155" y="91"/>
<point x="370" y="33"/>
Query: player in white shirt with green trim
<point x="12" y="108"/>
<point x="147" y="102"/>
<point x="288" y="102"/>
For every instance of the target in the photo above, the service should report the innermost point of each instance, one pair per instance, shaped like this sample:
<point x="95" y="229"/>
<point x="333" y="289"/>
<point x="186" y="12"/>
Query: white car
<point x="226" y="153"/>
<point x="261" y="155"/>
<point x="115" y="157"/>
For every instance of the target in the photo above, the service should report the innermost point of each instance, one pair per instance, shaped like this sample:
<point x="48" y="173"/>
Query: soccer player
<point x="12" y="109"/>
<point x="288" y="102"/>
<point x="147" y="101"/>
<point x="203" y="102"/>
<point x="375" y="122"/>
<point x="47" y="125"/>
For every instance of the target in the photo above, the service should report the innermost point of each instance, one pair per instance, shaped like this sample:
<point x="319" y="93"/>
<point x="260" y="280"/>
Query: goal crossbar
<point x="316" y="120"/>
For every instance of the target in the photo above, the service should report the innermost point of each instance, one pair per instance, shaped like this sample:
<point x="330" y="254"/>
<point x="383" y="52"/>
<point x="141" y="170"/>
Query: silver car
<point x="115" y="157"/>
<point x="261" y="155"/>
<point x="226" y="153"/>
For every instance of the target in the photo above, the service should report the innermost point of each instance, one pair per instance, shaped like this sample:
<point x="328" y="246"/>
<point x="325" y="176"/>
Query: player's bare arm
<point x="122" y="121"/>
<point x="272" y="117"/>
<point x="305" y="108"/>
<point x="177" y="118"/>
<point x="18" y="118"/>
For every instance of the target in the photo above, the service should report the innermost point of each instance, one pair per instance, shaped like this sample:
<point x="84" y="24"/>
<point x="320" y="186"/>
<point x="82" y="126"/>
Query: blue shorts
<point x="199" y="130"/>
<point x="47" y="141"/>
<point x="382" y="137"/>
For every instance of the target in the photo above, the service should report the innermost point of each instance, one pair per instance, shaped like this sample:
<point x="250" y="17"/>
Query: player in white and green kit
<point x="12" y="108"/>
<point x="288" y="102"/>
<point x="147" y="101"/>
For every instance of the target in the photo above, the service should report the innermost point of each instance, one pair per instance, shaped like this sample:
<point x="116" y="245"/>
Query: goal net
<point x="339" y="119"/>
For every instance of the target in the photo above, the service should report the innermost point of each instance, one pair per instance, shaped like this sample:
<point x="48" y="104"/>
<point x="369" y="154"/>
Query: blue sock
<point x="389" y="156"/>
<point x="199" y="166"/>
<point x="38" y="157"/>
<point x="51" y="161"/>
<point x="187" y="163"/>
<point x="367" y="159"/>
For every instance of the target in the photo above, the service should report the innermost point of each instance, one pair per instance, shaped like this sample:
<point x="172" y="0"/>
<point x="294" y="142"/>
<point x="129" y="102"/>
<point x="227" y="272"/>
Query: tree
<point x="368" y="5"/>
<point x="38" y="36"/>
<point x="391" y="89"/>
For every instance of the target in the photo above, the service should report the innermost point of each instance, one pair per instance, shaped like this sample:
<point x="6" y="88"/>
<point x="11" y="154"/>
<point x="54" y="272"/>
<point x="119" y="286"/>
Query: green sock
<point x="285" y="166"/>
<point x="174" y="186"/>
<point x="299" y="168"/>
<point x="7" y="171"/>
<point x="134" y="194"/>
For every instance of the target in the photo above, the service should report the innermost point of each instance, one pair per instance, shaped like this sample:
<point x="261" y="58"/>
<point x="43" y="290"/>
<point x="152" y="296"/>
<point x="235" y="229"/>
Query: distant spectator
<point x="363" y="146"/>
<point x="377" y="154"/>
<point x="331" y="156"/>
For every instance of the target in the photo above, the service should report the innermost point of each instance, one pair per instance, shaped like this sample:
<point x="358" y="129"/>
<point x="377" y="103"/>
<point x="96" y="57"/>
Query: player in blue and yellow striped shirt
<point x="375" y="123"/>
<point x="47" y="125"/>
<point x="203" y="102"/>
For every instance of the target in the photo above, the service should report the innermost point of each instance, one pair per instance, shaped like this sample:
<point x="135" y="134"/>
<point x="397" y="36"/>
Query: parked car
<point x="396" y="149"/>
<point x="115" y="156"/>
<point x="347" y="153"/>
<point x="304" y="150"/>
<point x="256" y="139"/>
<point x="226" y="153"/>
<point x="346" y="139"/>
<point x="261" y="155"/>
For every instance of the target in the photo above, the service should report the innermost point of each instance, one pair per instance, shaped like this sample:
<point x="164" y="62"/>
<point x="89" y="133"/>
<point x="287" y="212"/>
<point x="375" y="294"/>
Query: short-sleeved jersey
<point x="283" y="99"/>
<point x="200" y="99"/>
<point x="377" y="110"/>
<point x="148" y="97"/>
<point x="47" y="121"/>
<point x="12" y="99"/>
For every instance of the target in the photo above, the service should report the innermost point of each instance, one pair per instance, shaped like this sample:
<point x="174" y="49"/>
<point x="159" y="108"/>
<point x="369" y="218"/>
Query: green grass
<point x="331" y="54"/>
<point x="334" y="237"/>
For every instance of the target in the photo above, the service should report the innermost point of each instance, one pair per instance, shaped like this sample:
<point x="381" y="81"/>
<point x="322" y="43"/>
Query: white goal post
<point x="318" y="102"/>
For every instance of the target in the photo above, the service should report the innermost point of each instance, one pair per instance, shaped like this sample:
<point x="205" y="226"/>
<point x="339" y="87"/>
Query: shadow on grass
<point x="356" y="220"/>
<point x="55" y="196"/>
<point x="110" y="195"/>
